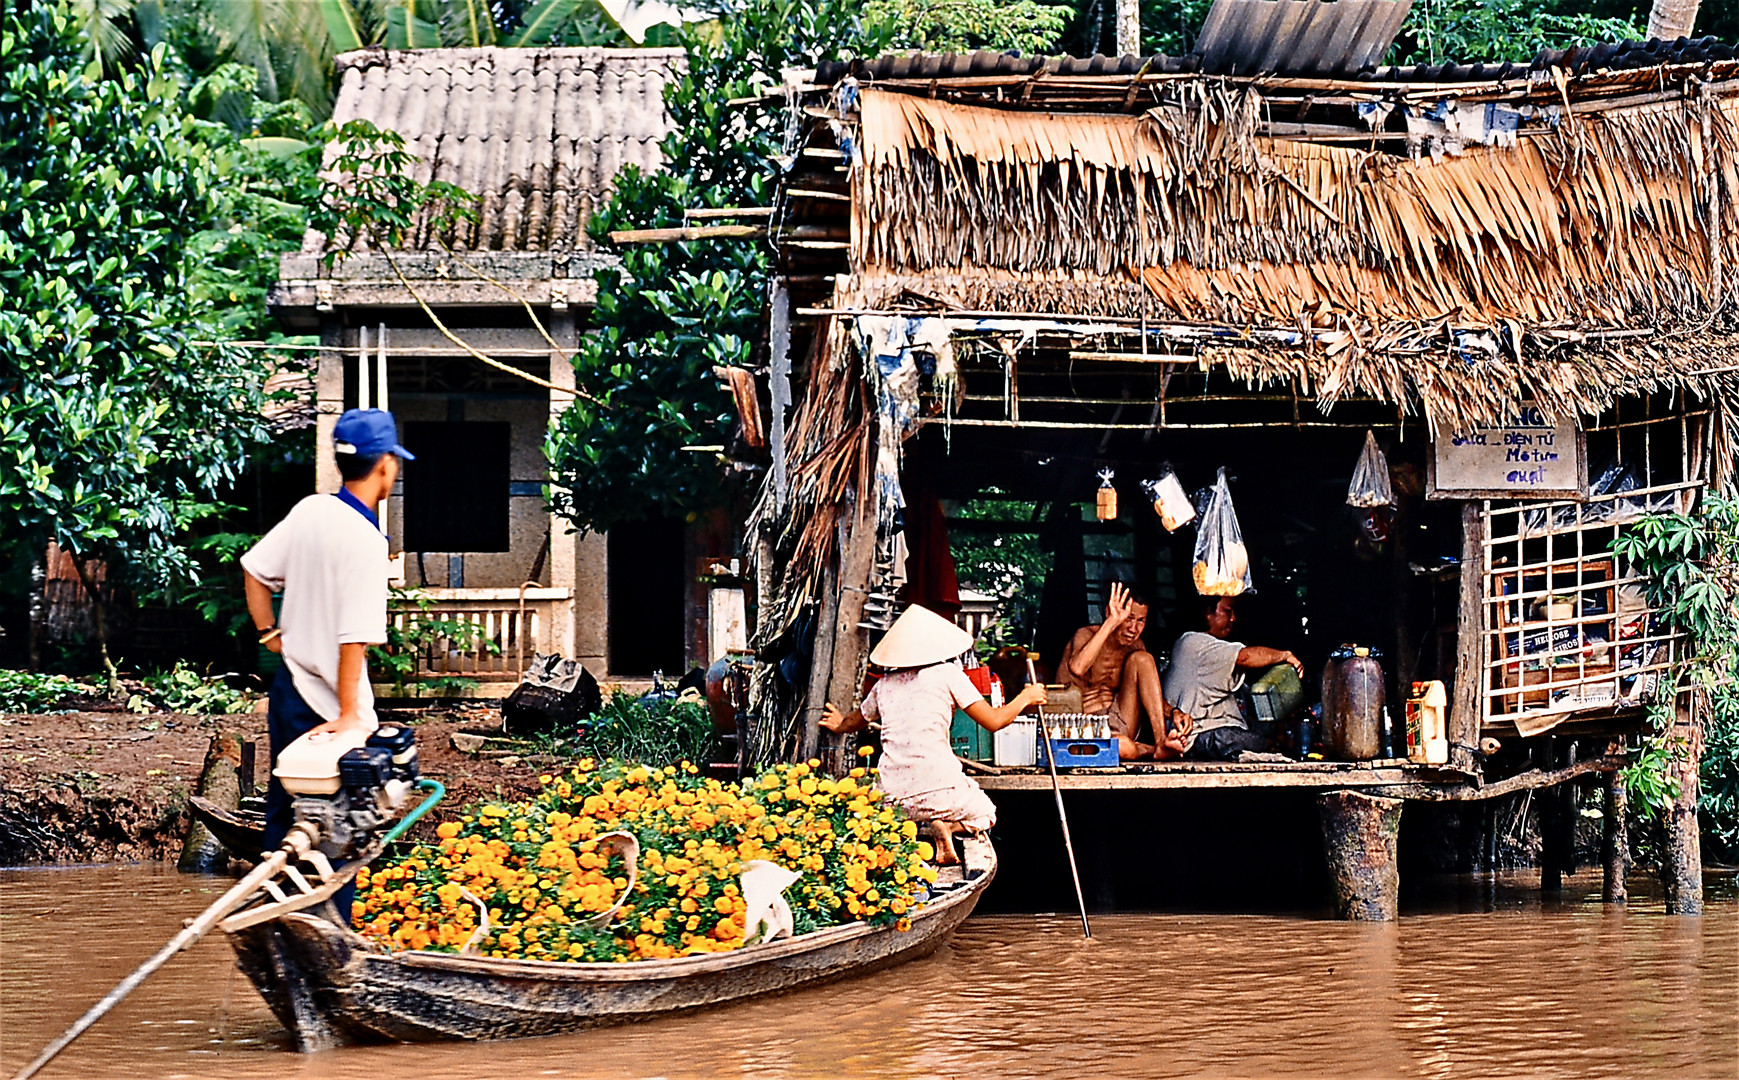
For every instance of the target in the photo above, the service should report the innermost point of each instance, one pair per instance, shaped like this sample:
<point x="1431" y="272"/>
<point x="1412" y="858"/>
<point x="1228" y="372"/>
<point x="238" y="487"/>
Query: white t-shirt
<point x="1204" y="680"/>
<point x="331" y="565"/>
<point x="916" y="710"/>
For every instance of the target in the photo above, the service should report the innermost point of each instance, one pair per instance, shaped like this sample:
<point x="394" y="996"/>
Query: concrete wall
<point x="577" y="564"/>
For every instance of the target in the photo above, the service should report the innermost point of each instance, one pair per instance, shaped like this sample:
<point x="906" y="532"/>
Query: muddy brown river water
<point x="1486" y="981"/>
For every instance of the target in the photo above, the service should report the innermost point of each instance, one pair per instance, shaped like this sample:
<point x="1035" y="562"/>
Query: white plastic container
<point x="1018" y="743"/>
<point x="309" y="766"/>
<point x="1427" y="724"/>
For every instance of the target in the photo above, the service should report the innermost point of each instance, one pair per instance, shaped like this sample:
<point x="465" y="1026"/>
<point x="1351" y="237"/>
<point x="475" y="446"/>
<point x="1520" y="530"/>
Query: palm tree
<point x="104" y="27"/>
<point x="424" y="24"/>
<point x="291" y="43"/>
<point x="1671" y="19"/>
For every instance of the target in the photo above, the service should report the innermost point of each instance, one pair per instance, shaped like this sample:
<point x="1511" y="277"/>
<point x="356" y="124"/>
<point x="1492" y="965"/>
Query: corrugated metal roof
<point x="1303" y="38"/>
<point x="538" y="134"/>
<point x="1622" y="56"/>
<point x="987" y="63"/>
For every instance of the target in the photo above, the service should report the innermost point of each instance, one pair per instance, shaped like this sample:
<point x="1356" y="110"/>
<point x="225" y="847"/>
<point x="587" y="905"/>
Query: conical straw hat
<point x="918" y="638"/>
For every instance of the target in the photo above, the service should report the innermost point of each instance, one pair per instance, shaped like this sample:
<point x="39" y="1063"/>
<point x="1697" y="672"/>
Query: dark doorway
<point x="647" y="587"/>
<point x="456" y="491"/>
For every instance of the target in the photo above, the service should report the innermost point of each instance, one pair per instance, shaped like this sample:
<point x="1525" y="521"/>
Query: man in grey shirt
<point x="1206" y="673"/>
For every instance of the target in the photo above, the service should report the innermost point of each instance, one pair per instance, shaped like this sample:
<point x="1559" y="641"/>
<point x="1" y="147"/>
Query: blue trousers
<point x="1225" y="744"/>
<point x="288" y="718"/>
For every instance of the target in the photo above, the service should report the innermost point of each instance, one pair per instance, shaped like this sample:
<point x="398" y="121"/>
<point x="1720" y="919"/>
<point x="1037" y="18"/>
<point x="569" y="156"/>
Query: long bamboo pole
<point x="1062" y="815"/>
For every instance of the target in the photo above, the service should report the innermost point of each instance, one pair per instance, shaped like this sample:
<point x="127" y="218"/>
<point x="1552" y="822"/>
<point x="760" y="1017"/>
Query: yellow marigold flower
<point x="864" y="751"/>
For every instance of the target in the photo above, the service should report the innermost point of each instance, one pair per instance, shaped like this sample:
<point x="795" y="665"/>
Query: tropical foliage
<point x="31" y="692"/>
<point x="651" y="730"/>
<point x="670" y="313"/>
<point x="958" y="25"/>
<point x="1693" y="564"/>
<point x="539" y="872"/>
<point x="1475" y="30"/>
<point x="121" y="413"/>
<point x="181" y="689"/>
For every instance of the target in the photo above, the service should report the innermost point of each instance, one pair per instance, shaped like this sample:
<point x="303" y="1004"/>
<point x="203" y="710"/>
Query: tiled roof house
<point x="538" y="135"/>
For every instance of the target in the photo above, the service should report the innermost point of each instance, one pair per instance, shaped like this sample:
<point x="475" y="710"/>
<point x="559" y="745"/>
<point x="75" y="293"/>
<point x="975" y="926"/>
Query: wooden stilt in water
<point x="1359" y="835"/>
<point x="1682" y="857"/>
<point x="1614" y="845"/>
<point x="219" y="781"/>
<point x="1557" y="836"/>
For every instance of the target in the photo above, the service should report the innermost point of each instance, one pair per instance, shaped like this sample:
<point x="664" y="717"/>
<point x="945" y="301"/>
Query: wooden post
<point x="856" y="560"/>
<point x="220" y="782"/>
<point x="1359" y="835"/>
<point x="820" y="664"/>
<point x="1464" y="708"/>
<point x="1614" y="845"/>
<point x="1557" y="824"/>
<point x="1682" y="856"/>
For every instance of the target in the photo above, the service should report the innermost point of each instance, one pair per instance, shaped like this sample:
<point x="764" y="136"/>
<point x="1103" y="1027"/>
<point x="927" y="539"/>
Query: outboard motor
<point x="349" y="785"/>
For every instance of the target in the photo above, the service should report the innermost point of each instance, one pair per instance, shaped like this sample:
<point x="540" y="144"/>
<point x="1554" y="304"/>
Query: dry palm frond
<point x="1603" y="225"/>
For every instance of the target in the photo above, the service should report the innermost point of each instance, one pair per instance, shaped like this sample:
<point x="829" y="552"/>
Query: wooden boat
<point x="329" y="986"/>
<point x="242" y="831"/>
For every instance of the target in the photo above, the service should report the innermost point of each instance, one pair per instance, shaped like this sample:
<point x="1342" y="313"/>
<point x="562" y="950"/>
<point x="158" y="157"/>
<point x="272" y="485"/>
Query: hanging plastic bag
<point x="1370" y="487"/>
<point x="1222" y="565"/>
<point x="1170" y="501"/>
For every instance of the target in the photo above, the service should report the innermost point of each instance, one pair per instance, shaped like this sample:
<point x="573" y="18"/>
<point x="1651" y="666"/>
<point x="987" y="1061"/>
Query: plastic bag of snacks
<point x="1222" y="565"/>
<point x="1370" y="486"/>
<point x="1170" y="501"/>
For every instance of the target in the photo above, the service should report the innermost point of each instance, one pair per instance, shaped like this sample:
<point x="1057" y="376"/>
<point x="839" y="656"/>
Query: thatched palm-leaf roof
<point x="1604" y="223"/>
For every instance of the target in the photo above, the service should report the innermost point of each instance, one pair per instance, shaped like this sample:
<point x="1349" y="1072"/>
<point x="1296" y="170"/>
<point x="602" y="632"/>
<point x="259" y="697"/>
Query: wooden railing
<point x="501" y="630"/>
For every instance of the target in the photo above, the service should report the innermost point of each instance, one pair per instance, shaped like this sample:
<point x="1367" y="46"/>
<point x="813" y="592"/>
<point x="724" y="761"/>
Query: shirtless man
<point x="1120" y="680"/>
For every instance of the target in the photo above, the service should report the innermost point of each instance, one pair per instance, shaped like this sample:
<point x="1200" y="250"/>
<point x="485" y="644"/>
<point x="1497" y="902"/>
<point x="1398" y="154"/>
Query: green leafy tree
<point x="672" y="312"/>
<point x="1474" y="30"/>
<point x="957" y="25"/>
<point x="1692" y="561"/>
<point x="116" y="425"/>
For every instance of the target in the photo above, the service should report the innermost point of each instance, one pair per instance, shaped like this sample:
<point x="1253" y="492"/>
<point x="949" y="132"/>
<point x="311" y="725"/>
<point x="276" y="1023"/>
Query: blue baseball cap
<point x="370" y="433"/>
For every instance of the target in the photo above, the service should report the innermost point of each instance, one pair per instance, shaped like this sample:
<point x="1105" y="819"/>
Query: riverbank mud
<point x="83" y="787"/>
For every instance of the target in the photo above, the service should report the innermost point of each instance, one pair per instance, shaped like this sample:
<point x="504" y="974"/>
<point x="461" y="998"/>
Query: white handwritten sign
<point x="1529" y="459"/>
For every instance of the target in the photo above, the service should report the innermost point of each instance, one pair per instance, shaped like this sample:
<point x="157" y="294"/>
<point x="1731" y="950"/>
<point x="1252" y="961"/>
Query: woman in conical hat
<point x="915" y="703"/>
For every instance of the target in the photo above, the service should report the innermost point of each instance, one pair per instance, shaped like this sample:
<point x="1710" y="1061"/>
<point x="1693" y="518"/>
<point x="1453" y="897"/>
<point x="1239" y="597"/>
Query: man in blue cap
<point x="329" y="559"/>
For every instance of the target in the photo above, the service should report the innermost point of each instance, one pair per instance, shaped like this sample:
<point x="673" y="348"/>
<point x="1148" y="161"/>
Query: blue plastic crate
<point x="1080" y="753"/>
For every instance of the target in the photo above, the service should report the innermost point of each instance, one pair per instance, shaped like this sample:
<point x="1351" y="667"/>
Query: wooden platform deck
<point x="1396" y="778"/>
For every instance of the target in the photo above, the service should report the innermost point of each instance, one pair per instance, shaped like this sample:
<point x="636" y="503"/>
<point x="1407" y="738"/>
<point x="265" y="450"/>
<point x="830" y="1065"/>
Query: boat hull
<point x="329" y="987"/>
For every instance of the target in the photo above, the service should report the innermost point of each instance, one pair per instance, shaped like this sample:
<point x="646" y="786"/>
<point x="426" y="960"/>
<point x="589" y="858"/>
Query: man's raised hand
<point x="1117" y="605"/>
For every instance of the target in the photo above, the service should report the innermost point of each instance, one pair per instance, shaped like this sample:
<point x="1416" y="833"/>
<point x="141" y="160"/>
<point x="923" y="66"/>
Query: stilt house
<point x="1008" y="273"/>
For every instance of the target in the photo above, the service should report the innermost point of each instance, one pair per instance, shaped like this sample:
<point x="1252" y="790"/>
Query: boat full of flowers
<point x="619" y="893"/>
